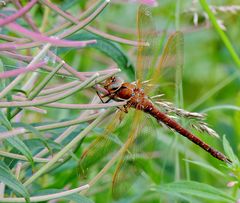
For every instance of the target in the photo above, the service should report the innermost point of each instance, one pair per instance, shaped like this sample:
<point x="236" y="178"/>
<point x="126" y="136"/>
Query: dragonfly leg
<point x="102" y="96"/>
<point x="125" y="108"/>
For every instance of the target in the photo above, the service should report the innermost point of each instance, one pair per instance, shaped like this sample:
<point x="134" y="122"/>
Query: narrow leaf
<point x="228" y="149"/>
<point x="11" y="181"/>
<point x="110" y="49"/>
<point x="33" y="130"/>
<point x="209" y="168"/>
<point x="4" y="121"/>
<point x="17" y="143"/>
<point x="196" y="189"/>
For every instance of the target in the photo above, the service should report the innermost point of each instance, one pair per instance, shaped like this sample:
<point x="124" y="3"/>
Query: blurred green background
<point x="210" y="84"/>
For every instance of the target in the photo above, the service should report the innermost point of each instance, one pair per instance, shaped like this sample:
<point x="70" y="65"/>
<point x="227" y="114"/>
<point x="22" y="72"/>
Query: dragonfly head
<point x="113" y="84"/>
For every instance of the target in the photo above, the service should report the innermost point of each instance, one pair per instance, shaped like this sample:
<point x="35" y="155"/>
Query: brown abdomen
<point x="163" y="118"/>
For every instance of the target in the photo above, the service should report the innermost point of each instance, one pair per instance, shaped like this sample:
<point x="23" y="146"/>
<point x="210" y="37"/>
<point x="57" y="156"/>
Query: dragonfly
<point x="135" y="95"/>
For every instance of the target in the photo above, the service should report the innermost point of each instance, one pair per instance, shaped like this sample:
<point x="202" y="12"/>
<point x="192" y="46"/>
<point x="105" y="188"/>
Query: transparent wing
<point x="168" y="71"/>
<point x="125" y="174"/>
<point x="100" y="147"/>
<point x="136" y="156"/>
<point x="125" y="171"/>
<point x="163" y="72"/>
<point x="148" y="43"/>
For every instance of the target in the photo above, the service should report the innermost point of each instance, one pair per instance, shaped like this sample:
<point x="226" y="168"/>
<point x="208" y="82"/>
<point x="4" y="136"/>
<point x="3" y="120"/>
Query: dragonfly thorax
<point x="113" y="84"/>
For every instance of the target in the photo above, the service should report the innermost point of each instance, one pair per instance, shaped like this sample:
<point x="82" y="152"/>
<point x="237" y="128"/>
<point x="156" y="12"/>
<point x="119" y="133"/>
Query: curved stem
<point x="67" y="148"/>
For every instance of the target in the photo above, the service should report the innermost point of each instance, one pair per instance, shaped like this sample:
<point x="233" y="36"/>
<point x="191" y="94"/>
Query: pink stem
<point x="18" y="14"/>
<point x="16" y="56"/>
<point x="39" y="37"/>
<point x="26" y="16"/>
<point x="12" y="73"/>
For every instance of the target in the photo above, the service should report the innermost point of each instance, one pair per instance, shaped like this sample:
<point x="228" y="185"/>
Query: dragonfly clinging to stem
<point x="137" y="97"/>
<point x="134" y="94"/>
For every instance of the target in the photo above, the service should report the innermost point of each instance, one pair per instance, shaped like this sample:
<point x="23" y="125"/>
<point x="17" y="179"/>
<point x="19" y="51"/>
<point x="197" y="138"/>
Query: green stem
<point x="178" y="77"/>
<point x="67" y="148"/>
<point x="18" y="131"/>
<point x="221" y="33"/>
<point x="36" y="91"/>
<point x="177" y="15"/>
<point x="48" y="100"/>
<point x="21" y="157"/>
<point x="45" y="81"/>
<point x="46" y="197"/>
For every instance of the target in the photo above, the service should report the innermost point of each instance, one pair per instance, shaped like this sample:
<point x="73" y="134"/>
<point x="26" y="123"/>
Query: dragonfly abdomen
<point x="163" y="118"/>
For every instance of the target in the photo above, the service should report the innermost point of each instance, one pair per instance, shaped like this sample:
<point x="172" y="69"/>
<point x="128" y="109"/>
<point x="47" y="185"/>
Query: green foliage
<point x="111" y="49"/>
<point x="161" y="166"/>
<point x="195" y="189"/>
<point x="11" y="181"/>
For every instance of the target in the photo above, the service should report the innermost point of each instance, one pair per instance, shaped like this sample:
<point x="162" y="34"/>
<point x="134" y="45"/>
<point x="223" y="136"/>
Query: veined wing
<point x="146" y="52"/>
<point x="170" y="65"/>
<point x="124" y="173"/>
<point x="100" y="147"/>
<point x="127" y="167"/>
<point x="159" y="71"/>
<point x="136" y="156"/>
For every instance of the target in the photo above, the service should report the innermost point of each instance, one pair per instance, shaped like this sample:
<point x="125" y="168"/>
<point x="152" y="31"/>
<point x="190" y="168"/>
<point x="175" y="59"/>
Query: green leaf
<point x="11" y="181"/>
<point x="17" y="143"/>
<point x="78" y="198"/>
<point x="67" y="4"/>
<point x="36" y="144"/>
<point x="110" y="49"/>
<point x="2" y="83"/>
<point x="9" y="110"/>
<point x="4" y="121"/>
<point x="35" y="132"/>
<point x="228" y="149"/>
<point x="192" y="188"/>
<point x="208" y="168"/>
<point x="15" y="90"/>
